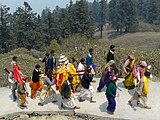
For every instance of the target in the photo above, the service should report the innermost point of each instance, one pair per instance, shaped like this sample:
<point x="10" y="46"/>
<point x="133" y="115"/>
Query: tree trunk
<point x="126" y="29"/>
<point x="117" y="28"/>
<point x="121" y="30"/>
<point x="101" y="27"/>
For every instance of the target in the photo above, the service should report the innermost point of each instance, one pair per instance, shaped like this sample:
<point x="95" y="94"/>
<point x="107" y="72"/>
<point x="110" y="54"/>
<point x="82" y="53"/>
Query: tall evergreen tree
<point x="39" y="42"/>
<point x="96" y="11"/>
<point x="152" y="10"/>
<point x="123" y="15"/>
<point x="114" y="16"/>
<point x="65" y="24"/>
<point x="24" y="26"/>
<point x="4" y="29"/>
<point x="102" y="15"/>
<point x="83" y="22"/>
<point x="52" y="25"/>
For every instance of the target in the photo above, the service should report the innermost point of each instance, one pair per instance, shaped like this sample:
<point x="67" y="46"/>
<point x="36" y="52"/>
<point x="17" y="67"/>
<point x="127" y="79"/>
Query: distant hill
<point x="139" y="40"/>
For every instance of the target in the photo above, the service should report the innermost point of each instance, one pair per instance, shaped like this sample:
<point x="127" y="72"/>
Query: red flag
<point x="16" y="74"/>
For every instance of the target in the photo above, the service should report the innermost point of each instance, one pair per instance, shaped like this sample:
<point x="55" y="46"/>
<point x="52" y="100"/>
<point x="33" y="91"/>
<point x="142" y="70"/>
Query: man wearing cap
<point x="67" y="95"/>
<point x="86" y="85"/>
<point x="111" y="94"/>
<point x="61" y="73"/>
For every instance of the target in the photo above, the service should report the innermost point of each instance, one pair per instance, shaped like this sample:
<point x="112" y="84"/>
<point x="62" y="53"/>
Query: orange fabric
<point x="35" y="86"/>
<point x="22" y="97"/>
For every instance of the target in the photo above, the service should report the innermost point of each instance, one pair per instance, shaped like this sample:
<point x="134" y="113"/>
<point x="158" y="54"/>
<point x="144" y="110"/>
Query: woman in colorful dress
<point x="129" y="69"/>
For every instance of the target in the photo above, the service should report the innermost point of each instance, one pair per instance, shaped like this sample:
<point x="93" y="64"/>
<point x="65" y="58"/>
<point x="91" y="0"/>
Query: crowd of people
<point x="61" y="75"/>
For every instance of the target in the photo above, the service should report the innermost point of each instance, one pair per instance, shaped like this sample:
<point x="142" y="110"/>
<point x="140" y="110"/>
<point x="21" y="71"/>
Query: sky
<point x="37" y="5"/>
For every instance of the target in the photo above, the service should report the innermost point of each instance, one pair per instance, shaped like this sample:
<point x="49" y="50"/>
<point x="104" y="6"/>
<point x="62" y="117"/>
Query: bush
<point x="146" y="27"/>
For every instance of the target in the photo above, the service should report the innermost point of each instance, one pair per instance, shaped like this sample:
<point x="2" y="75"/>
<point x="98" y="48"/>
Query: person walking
<point x="86" y="85"/>
<point x="80" y="71"/>
<point x="110" y="56"/>
<point x="51" y="62"/>
<point x="36" y="83"/>
<point x="105" y="78"/>
<point x="22" y="92"/>
<point x="15" y="76"/>
<point x="129" y="68"/>
<point x="47" y="94"/>
<point x="44" y="60"/>
<point x="142" y="91"/>
<point x="68" y="99"/>
<point x="111" y="94"/>
<point x="89" y="60"/>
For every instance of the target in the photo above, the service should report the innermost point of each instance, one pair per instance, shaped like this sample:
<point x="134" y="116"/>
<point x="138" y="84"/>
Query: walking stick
<point x="5" y="69"/>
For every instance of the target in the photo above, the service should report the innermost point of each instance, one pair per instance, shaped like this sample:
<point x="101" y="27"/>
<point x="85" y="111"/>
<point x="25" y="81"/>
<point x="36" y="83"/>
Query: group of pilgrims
<point x="62" y="77"/>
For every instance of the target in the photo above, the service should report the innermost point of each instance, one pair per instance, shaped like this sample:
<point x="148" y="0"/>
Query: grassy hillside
<point x="77" y="46"/>
<point x="25" y="60"/>
<point x="145" y="46"/>
<point x="139" y="41"/>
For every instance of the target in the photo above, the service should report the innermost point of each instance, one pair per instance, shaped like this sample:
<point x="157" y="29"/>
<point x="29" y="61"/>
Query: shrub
<point x="146" y="27"/>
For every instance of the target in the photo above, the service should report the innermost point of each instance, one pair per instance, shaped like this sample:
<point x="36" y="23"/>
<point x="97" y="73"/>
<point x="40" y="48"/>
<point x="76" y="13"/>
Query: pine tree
<point x="123" y="15"/>
<point x="4" y="29"/>
<point x="82" y="19"/>
<point x="102" y="15"/>
<point x="152" y="10"/>
<point x="24" y="26"/>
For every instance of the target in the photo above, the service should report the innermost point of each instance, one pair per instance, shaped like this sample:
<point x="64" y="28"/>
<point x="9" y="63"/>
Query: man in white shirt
<point x="80" y="70"/>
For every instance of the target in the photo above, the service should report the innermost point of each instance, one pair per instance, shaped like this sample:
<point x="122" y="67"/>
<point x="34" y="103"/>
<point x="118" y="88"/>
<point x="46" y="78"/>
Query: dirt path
<point x="123" y="110"/>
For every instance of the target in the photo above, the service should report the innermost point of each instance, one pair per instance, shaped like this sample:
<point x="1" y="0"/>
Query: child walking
<point x="111" y="94"/>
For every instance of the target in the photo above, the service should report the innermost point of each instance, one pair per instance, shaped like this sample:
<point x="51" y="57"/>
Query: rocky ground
<point x="46" y="117"/>
<point x="123" y="110"/>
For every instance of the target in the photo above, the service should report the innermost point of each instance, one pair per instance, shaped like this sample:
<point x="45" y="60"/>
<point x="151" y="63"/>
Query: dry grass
<point x="25" y="60"/>
<point x="138" y="41"/>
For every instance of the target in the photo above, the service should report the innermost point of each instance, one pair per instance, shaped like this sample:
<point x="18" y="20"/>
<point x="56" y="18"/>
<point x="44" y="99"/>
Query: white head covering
<point x="143" y="63"/>
<point x="66" y="62"/>
<point x="13" y="63"/>
<point x="62" y="58"/>
<point x="111" y="62"/>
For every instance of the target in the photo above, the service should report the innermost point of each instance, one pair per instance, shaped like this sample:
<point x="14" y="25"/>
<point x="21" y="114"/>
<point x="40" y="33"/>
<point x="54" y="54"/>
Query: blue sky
<point x="37" y="5"/>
